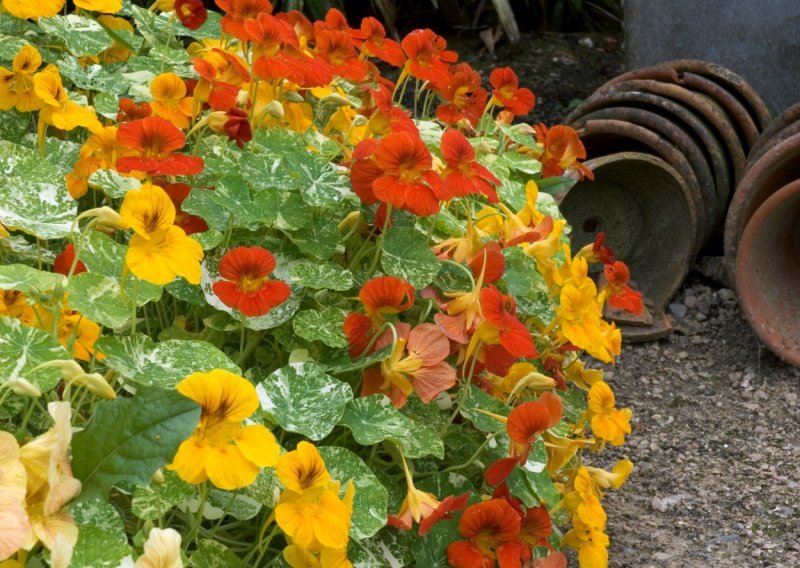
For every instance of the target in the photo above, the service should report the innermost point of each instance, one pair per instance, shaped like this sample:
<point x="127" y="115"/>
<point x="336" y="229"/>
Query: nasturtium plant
<point x="254" y="311"/>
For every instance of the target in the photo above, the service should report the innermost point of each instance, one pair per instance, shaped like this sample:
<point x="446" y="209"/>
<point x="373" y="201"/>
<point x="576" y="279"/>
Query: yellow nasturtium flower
<point x="170" y="100"/>
<point x="159" y="251"/>
<point x="56" y="107"/>
<point x="118" y="51"/>
<point x="33" y="9"/>
<point x="105" y="6"/>
<point x="221" y="448"/>
<point x="17" y="85"/>
<point x="608" y="423"/>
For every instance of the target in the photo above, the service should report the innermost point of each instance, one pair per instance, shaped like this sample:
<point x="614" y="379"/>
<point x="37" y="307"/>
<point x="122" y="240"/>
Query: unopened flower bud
<point x="335" y="99"/>
<point x="101" y="217"/>
<point x="97" y="384"/>
<point x="241" y="98"/>
<point x="484" y="147"/>
<point x="158" y="477"/>
<point x="275" y="109"/>
<point x="293" y="97"/>
<point x="350" y="220"/>
<point x="216" y="120"/>
<point x="23" y="387"/>
<point x="360" y="120"/>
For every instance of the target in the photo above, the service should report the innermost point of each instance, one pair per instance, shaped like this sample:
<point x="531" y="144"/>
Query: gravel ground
<point x="715" y="422"/>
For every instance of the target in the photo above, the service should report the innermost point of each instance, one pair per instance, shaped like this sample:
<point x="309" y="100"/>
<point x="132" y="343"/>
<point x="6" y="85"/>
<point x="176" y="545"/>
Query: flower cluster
<point x="242" y="240"/>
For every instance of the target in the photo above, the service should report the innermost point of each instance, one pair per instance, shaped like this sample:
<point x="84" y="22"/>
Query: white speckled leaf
<point x="235" y="504"/>
<point x="101" y="535"/>
<point x="28" y="280"/>
<point x="113" y="183"/>
<point x="320" y="240"/>
<point x="420" y="442"/>
<point x="92" y="77"/>
<point x="321" y="275"/>
<point x="371" y="498"/>
<point x="14" y="124"/>
<point x="478" y="399"/>
<point x="212" y="554"/>
<point x="140" y="360"/>
<point x="320" y="182"/>
<point x="33" y="196"/>
<point x="153" y="501"/>
<point x="10" y="46"/>
<point x="303" y="399"/>
<point x="22" y="348"/>
<point x="372" y="419"/>
<point x="98" y="298"/>
<point x="324" y="325"/>
<point x="82" y="36"/>
<point x="521" y="163"/>
<point x="103" y="255"/>
<point x="406" y="255"/>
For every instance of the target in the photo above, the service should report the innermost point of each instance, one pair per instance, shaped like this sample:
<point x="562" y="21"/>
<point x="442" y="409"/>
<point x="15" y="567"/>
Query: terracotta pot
<point x="778" y="166"/>
<point x="603" y="137"/>
<point x="679" y="137"/>
<point x="702" y="104"/>
<point x="644" y="207"/>
<point x="732" y="82"/>
<point x="786" y="125"/>
<point x="768" y="272"/>
<point x="703" y="132"/>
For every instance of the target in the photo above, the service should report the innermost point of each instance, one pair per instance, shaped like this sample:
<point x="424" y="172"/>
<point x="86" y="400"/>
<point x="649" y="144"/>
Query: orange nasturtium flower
<point x="562" y="150"/>
<point x="154" y="141"/>
<point x="100" y="151"/>
<point x="170" y="100"/>
<point x="246" y="285"/>
<point x="464" y="175"/>
<point x="28" y="10"/>
<point x="17" y="85"/>
<point x="237" y="12"/>
<point x="310" y="510"/>
<point x="56" y="107"/>
<point x="508" y="94"/>
<point x="493" y="529"/>
<point x="620" y="295"/>
<point x="221" y="449"/>
<point x="608" y="423"/>
<point x="159" y="251"/>
<point x="105" y="6"/>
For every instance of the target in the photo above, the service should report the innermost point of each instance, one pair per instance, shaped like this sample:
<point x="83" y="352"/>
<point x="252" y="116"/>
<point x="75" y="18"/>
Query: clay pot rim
<point x="749" y="297"/>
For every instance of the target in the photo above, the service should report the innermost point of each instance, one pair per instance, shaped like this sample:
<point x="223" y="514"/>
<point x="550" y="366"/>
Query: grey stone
<point x="678" y="309"/>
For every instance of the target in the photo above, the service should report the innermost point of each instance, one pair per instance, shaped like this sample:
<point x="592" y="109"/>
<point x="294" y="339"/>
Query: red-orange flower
<point x="536" y="527"/>
<point x="508" y="94"/>
<point x="377" y="45"/>
<point x="499" y="313"/>
<point x="130" y="110"/>
<point x="427" y="58"/>
<point x="222" y="74"/>
<point x="492" y="528"/>
<point x="239" y="11"/>
<point x="386" y="117"/>
<point x="246" y="285"/>
<point x="155" y="140"/>
<point x="464" y="175"/>
<point x="336" y="49"/>
<point x="237" y="127"/>
<point x="191" y="13"/>
<point x="562" y="150"/>
<point x="466" y="98"/>
<point x="64" y="260"/>
<point x="386" y="295"/>
<point x="620" y="294"/>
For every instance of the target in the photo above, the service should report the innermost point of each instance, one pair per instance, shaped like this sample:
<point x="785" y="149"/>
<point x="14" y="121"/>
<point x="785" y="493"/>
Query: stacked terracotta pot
<point x="667" y="145"/>
<point x="762" y="237"/>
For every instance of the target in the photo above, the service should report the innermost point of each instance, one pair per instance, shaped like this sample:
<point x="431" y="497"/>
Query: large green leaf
<point x="128" y="439"/>
<point x="324" y="325"/>
<point x="321" y="275"/>
<point x="153" y="501"/>
<point x="320" y="239"/>
<point x="92" y="77"/>
<point x="82" y="36"/>
<point x="213" y="554"/>
<point x="142" y="361"/>
<point x="201" y="203"/>
<point x="113" y="184"/>
<point x="478" y="400"/>
<point x="303" y="399"/>
<point x="406" y="254"/>
<point x="421" y="441"/>
<point x="14" y="124"/>
<point x="370" y="500"/>
<point x="28" y="280"/>
<point x="23" y="348"/>
<point x="431" y="550"/>
<point x="234" y="503"/>
<point x="372" y="419"/>
<point x="531" y="482"/>
<point x="281" y="209"/>
<point x="101" y="536"/>
<point x="99" y="298"/>
<point x="33" y="196"/>
<point x="320" y="182"/>
<point x="101" y="254"/>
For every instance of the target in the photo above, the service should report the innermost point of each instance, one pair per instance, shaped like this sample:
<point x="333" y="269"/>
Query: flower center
<point x="250" y="284"/>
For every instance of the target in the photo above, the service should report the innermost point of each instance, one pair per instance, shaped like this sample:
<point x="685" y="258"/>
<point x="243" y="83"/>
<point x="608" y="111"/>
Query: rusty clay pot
<point x="786" y="125"/>
<point x="768" y="272"/>
<point x="778" y="166"/>
<point x="732" y="82"/>
<point x="742" y="121"/>
<point x="678" y="136"/>
<point x="644" y="207"/>
<point x="701" y="131"/>
<point x="698" y="102"/>
<point x="603" y="137"/>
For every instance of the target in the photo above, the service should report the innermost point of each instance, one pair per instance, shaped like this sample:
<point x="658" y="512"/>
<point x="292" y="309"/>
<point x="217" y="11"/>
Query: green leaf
<point x="431" y="550"/>
<point x="212" y="554"/>
<point x="406" y="254"/>
<point x="82" y="36"/>
<point x="555" y="185"/>
<point x="233" y="194"/>
<point x="369" y="502"/>
<point x="537" y="477"/>
<point x="320" y="182"/>
<point x="142" y="361"/>
<point x="265" y="488"/>
<point x="387" y="549"/>
<point x="478" y="400"/>
<point x="10" y="46"/>
<point x="14" y="124"/>
<point x="33" y="196"/>
<point x="154" y="501"/>
<point x="320" y="240"/>
<point x="99" y="298"/>
<point x="28" y="280"/>
<point x="321" y="275"/>
<point x="236" y="504"/>
<point x="324" y="325"/>
<point x="113" y="184"/>
<point x="372" y="419"/>
<point x="209" y="30"/>
<point x="281" y="209"/>
<point x="22" y="348"/>
<point x="156" y="29"/>
<point x="201" y="202"/>
<point x="101" y="538"/>
<point x="106" y="257"/>
<point x="303" y="399"/>
<point x="420" y="442"/>
<point x="92" y="77"/>
<point x="521" y="274"/>
<point x="521" y="163"/>
<point x="128" y="439"/>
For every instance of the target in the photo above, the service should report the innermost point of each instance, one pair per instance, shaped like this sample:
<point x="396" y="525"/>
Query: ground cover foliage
<point x="254" y="312"/>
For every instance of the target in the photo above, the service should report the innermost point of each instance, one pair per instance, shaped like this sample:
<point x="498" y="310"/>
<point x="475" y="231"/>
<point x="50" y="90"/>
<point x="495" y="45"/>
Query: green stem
<point x="381" y="238"/>
<point x="198" y="516"/>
